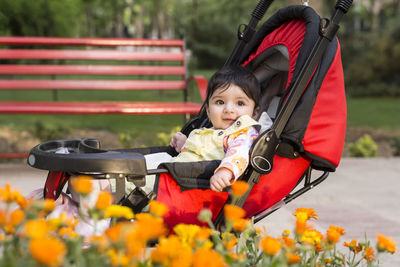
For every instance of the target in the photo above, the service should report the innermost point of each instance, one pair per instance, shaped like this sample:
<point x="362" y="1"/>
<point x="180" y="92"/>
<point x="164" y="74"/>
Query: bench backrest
<point x="139" y="64"/>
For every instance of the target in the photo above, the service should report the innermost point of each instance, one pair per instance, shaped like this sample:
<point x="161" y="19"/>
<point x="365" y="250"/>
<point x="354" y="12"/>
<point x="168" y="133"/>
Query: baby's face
<point x="225" y="106"/>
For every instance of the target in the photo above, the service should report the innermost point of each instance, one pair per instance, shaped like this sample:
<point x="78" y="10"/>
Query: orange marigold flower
<point x="117" y="258"/>
<point x="150" y="227"/>
<point x="49" y="251"/>
<point x="3" y="216"/>
<point x="114" y="232"/>
<point x="239" y="188"/>
<point x="369" y="254"/>
<point x="158" y="208"/>
<point x="100" y="242"/>
<point x="233" y="212"/>
<point x="37" y="228"/>
<point x="118" y="211"/>
<point x="292" y="258"/>
<point x="68" y="232"/>
<point x="270" y="245"/>
<point x="334" y="233"/>
<point x="203" y="234"/>
<point x="229" y="240"/>
<point x="240" y="225"/>
<point x="386" y="244"/>
<point x="16" y="217"/>
<point x="82" y="184"/>
<point x="353" y="246"/>
<point x="172" y="252"/>
<point x="287" y="241"/>
<point x="208" y="257"/>
<point x="104" y="200"/>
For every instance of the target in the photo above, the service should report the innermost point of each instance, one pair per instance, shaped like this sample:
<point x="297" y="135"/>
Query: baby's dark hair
<point x="238" y="75"/>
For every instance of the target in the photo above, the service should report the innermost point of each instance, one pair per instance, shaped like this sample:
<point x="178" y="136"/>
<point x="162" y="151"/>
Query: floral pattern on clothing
<point x="237" y="146"/>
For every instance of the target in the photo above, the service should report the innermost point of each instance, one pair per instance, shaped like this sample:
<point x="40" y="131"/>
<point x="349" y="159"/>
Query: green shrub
<point x="395" y="144"/>
<point x="46" y="132"/>
<point x="364" y="147"/>
<point x="165" y="138"/>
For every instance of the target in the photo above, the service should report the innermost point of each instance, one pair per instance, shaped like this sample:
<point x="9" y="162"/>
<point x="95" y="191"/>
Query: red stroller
<point x="296" y="58"/>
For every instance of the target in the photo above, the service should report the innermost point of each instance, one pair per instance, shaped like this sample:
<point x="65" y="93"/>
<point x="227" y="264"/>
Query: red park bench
<point x="42" y="63"/>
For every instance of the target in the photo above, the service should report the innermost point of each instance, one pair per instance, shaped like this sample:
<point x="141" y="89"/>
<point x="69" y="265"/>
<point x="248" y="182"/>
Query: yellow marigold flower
<point x="36" y="228"/>
<point x="208" y="257"/>
<point x="49" y="205"/>
<point x="82" y="184"/>
<point x="49" y="251"/>
<point x="233" y="212"/>
<point x="312" y="237"/>
<point x="172" y="252"/>
<point x="386" y="244"/>
<point x="304" y="214"/>
<point x="286" y="232"/>
<point x="6" y="194"/>
<point x="369" y="254"/>
<point x="104" y="200"/>
<point x="292" y="258"/>
<point x="334" y="233"/>
<point x="229" y="240"/>
<point x="158" y="208"/>
<point x="118" y="211"/>
<point x="240" y="225"/>
<point x="236" y="256"/>
<point x="187" y="233"/>
<point x="239" y="188"/>
<point x="16" y="217"/>
<point x="117" y="258"/>
<point x="270" y="245"/>
<point x="134" y="244"/>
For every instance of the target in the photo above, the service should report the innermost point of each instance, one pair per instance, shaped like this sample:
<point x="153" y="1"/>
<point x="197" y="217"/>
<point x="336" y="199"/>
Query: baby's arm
<point x="177" y="141"/>
<point x="236" y="158"/>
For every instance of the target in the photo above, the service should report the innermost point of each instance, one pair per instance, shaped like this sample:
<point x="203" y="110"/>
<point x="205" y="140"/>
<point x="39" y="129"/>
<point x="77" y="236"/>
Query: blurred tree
<point x="39" y="17"/>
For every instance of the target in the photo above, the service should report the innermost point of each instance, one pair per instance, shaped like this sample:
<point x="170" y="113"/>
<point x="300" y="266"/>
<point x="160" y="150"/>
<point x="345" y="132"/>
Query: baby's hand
<point x="221" y="179"/>
<point x="177" y="141"/>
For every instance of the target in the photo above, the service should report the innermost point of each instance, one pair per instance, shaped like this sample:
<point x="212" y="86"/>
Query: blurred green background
<point x="369" y="37"/>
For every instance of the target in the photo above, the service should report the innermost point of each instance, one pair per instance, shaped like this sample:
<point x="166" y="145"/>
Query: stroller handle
<point x="344" y="5"/>
<point x="261" y="8"/>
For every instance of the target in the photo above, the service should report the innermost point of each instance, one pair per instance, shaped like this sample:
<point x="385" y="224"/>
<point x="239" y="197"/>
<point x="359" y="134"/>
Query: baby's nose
<point x="229" y="107"/>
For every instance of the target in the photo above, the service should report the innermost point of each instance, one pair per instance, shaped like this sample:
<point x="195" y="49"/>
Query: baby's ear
<point x="256" y="113"/>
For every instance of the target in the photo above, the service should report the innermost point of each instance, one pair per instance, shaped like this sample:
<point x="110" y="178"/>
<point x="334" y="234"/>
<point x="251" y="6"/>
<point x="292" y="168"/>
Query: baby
<point x="232" y="104"/>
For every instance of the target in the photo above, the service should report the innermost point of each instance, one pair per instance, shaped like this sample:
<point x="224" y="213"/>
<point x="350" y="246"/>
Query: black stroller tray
<point x="84" y="156"/>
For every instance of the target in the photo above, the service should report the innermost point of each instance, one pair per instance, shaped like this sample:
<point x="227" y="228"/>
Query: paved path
<point x="362" y="196"/>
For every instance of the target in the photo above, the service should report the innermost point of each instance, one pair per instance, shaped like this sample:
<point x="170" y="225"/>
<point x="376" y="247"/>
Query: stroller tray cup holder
<point x="84" y="156"/>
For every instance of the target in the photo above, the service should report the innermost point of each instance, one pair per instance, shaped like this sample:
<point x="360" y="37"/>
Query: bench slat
<point x="50" y="41"/>
<point x="92" y="84"/>
<point x="111" y="107"/>
<point x="90" y="55"/>
<point x="92" y="69"/>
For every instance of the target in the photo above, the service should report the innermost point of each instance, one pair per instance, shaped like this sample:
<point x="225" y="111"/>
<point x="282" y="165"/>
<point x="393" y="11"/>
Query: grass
<point x="381" y="113"/>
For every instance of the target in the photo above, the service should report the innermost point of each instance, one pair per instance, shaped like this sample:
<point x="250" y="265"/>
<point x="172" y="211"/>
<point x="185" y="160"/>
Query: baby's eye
<point x="241" y="103"/>
<point x="219" y="102"/>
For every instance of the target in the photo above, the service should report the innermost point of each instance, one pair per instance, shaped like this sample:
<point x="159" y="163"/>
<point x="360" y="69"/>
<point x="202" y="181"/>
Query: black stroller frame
<point x="84" y="156"/>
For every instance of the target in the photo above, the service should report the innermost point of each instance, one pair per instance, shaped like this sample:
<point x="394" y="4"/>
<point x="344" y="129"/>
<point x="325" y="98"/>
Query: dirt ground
<point x="23" y="141"/>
